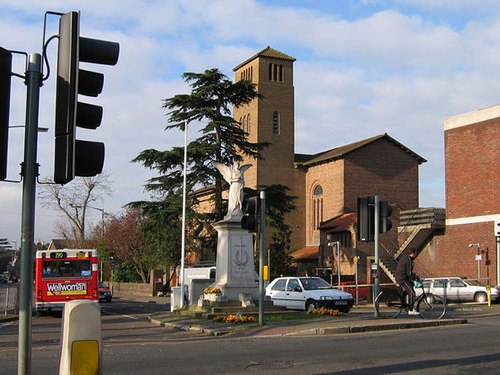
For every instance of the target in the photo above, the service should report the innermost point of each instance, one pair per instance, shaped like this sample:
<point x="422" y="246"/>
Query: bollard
<point x="488" y="292"/>
<point x="81" y="342"/>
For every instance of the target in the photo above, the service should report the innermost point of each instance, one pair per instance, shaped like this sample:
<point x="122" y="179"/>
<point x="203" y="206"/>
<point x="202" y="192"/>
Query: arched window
<point x="317" y="206"/>
<point x="276" y="123"/>
<point x="248" y="123"/>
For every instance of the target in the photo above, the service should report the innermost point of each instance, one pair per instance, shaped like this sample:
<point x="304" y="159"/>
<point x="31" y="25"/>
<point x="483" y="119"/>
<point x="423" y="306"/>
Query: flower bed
<point x="212" y="290"/>
<point x="234" y="318"/>
<point x="325" y="311"/>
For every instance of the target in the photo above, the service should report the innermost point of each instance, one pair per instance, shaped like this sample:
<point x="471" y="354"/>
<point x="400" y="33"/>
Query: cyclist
<point x="405" y="277"/>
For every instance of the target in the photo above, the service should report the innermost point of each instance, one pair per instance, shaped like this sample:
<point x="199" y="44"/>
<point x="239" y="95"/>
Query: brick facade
<point x="472" y="158"/>
<point x="376" y="166"/>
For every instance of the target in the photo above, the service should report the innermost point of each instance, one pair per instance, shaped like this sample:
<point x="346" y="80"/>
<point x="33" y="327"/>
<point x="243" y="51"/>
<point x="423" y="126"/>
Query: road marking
<point x="126" y="316"/>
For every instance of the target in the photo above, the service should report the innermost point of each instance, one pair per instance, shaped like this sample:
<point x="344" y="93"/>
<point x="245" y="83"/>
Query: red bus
<point x="65" y="275"/>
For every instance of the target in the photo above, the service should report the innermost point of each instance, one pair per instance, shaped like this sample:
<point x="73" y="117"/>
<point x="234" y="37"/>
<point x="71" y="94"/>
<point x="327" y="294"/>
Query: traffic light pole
<point x="262" y="230"/>
<point x="29" y="173"/>
<point x="376" y="237"/>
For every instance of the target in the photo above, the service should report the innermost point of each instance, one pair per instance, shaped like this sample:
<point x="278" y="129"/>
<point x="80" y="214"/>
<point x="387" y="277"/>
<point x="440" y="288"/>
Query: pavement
<point x="359" y="320"/>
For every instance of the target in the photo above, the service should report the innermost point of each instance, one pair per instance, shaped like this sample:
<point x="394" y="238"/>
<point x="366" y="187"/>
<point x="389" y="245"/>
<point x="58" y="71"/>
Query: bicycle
<point x="390" y="303"/>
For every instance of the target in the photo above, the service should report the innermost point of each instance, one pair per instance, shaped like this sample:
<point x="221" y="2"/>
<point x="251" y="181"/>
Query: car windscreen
<point x="314" y="283"/>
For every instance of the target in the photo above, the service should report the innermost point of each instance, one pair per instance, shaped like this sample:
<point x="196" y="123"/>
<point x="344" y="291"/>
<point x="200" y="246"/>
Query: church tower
<point x="270" y="118"/>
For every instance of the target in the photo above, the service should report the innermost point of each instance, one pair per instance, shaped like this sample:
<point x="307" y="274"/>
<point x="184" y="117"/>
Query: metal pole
<point x="183" y="234"/>
<point x="376" y="202"/>
<point x="356" y="281"/>
<point x="338" y="262"/>
<point x="29" y="173"/>
<point x="262" y="229"/>
<point x="478" y="264"/>
<point x="498" y="260"/>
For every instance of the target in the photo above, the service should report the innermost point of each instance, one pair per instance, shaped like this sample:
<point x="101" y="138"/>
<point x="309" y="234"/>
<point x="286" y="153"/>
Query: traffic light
<point x="385" y="211"/>
<point x="5" y="78"/>
<point x="74" y="157"/>
<point x="366" y="219"/>
<point x="249" y="219"/>
<point x="497" y="228"/>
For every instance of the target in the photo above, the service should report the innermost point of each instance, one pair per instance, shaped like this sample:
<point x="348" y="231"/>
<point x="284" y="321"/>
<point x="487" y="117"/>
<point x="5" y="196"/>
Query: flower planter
<point x="213" y="297"/>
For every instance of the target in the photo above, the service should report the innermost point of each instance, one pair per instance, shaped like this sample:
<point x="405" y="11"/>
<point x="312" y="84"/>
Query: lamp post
<point x="183" y="234"/>
<point x="102" y="234"/>
<point x="478" y="259"/>
<point x="337" y="245"/>
<point x="102" y="218"/>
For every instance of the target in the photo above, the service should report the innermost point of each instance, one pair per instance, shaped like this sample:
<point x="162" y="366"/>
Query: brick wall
<point x="450" y="254"/>
<point x="472" y="155"/>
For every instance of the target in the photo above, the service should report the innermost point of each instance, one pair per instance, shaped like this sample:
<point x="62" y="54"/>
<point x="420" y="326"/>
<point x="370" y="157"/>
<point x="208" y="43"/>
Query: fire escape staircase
<point x="416" y="229"/>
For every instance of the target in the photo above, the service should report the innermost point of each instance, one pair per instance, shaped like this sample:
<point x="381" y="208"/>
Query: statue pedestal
<point x="235" y="275"/>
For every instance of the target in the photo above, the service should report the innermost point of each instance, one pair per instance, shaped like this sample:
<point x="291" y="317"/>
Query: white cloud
<point x="362" y="69"/>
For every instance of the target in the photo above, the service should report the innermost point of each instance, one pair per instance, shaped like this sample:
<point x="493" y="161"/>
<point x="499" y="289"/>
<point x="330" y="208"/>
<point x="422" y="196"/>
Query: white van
<point x="458" y="289"/>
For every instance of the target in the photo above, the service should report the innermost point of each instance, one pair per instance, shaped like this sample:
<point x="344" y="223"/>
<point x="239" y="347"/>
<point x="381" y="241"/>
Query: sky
<point x="363" y="68"/>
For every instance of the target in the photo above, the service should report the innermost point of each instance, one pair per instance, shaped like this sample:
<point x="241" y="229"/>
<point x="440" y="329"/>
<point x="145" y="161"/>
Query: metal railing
<point x="9" y="299"/>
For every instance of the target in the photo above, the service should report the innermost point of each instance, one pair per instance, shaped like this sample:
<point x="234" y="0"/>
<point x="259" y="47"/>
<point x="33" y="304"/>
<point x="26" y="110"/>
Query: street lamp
<point x="102" y="218"/>
<point x="184" y="195"/>
<point x="337" y="245"/>
<point x="478" y="258"/>
<point x="94" y="208"/>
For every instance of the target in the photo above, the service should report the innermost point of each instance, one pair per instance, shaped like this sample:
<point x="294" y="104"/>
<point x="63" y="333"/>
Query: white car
<point x="458" y="289"/>
<point x="307" y="293"/>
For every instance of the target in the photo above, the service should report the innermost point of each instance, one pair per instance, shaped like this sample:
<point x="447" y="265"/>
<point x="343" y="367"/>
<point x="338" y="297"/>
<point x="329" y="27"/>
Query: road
<point x="133" y="346"/>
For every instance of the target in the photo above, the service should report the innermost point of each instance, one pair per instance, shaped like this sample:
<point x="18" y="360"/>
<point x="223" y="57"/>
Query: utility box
<point x="196" y="279"/>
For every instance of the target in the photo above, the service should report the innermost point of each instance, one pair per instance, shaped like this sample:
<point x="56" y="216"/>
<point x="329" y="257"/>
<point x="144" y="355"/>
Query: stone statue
<point x="234" y="176"/>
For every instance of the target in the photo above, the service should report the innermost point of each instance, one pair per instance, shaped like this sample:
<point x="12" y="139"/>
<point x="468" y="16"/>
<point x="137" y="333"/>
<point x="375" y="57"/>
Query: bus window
<point x="66" y="268"/>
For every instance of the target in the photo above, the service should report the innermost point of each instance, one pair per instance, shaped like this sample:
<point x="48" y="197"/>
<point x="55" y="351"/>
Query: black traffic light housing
<point x="385" y="211"/>
<point x="5" y="81"/>
<point x="249" y="220"/>
<point x="74" y="157"/>
<point x="366" y="216"/>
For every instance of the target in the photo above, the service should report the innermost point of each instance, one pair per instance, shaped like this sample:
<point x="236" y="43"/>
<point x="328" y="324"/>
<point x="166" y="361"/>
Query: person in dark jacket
<point x="405" y="277"/>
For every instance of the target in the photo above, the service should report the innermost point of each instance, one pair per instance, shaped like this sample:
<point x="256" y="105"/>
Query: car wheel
<point x="311" y="305"/>
<point x="480" y="297"/>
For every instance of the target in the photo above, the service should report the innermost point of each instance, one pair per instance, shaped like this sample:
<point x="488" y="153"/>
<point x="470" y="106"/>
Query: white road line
<point x="126" y="316"/>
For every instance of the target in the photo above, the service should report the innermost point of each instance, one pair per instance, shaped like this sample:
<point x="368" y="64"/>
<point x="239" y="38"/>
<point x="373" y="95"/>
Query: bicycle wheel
<point x="388" y="304"/>
<point x="431" y="306"/>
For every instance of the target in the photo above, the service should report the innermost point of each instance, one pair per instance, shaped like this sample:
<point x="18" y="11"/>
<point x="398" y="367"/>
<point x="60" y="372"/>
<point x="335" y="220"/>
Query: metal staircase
<point x="416" y="229"/>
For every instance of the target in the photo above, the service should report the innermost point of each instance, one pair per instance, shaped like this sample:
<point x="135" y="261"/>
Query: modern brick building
<point x="468" y="246"/>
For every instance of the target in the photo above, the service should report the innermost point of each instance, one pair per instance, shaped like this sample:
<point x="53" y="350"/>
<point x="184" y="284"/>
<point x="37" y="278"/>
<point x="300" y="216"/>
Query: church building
<point x="328" y="183"/>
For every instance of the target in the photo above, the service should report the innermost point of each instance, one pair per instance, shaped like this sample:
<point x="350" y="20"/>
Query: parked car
<point x="307" y="293"/>
<point x="104" y="293"/>
<point x="458" y="289"/>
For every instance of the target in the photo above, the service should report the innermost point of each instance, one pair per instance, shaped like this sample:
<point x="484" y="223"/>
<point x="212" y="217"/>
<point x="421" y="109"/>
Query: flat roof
<point x="472" y="117"/>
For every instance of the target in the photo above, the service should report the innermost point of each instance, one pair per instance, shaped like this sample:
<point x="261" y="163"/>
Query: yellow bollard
<point x="81" y="341"/>
<point x="488" y="293"/>
<point x="265" y="273"/>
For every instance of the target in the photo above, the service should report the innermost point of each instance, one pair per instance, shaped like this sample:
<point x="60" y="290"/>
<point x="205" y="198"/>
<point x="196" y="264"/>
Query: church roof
<point x="267" y="52"/>
<point x="306" y="253"/>
<point x="340" y="223"/>
<point x="342" y="151"/>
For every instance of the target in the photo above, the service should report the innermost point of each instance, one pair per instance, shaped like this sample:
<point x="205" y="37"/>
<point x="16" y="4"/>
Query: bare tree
<point x="73" y="200"/>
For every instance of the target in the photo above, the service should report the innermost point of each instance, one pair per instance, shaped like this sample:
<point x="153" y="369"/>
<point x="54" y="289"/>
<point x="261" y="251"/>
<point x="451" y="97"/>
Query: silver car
<point x="458" y="289"/>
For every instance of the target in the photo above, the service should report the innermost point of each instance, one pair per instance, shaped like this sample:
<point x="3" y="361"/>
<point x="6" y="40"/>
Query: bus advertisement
<point x="65" y="275"/>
